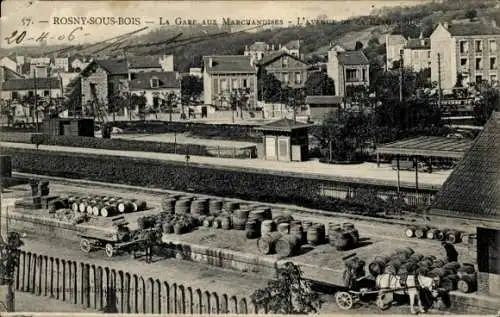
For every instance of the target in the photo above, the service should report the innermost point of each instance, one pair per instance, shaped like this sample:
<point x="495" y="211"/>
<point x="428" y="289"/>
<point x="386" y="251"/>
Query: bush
<point x="192" y="177"/>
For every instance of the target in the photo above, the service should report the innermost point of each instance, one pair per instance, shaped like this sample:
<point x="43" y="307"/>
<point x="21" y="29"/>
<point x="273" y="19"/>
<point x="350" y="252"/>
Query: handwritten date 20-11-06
<point x="20" y="37"/>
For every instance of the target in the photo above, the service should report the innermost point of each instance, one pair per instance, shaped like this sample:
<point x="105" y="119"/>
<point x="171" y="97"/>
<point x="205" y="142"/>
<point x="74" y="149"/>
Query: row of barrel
<point x="452" y="275"/>
<point x="448" y="235"/>
<point x="104" y="206"/>
<point x="197" y="206"/>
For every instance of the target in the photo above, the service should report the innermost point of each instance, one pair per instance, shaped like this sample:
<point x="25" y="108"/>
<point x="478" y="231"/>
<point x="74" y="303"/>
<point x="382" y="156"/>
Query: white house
<point x="16" y="89"/>
<point x="155" y="86"/>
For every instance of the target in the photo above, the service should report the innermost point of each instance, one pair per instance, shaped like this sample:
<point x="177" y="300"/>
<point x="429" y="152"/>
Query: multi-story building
<point x="394" y="45"/>
<point x="258" y="49"/>
<point x="287" y="68"/>
<point x="292" y="48"/>
<point x="60" y="63"/>
<point x="227" y="74"/>
<point x="347" y="69"/>
<point x="470" y="50"/>
<point x="16" y="89"/>
<point x="141" y="64"/>
<point x="156" y="86"/>
<point x="417" y="54"/>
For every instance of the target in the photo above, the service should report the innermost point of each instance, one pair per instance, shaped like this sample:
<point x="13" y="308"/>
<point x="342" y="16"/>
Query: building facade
<point x="287" y="68"/>
<point x="156" y="86"/>
<point x="394" y="44"/>
<point x="103" y="78"/>
<point x="469" y="51"/>
<point x="347" y="69"/>
<point x="17" y="89"/>
<point x="417" y="54"/>
<point x="227" y="74"/>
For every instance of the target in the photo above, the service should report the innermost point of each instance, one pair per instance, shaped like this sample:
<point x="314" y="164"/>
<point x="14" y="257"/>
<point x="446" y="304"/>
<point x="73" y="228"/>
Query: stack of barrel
<point x="448" y="235"/>
<point x="105" y="206"/>
<point x="254" y="223"/>
<point x="343" y="236"/>
<point x="406" y="261"/>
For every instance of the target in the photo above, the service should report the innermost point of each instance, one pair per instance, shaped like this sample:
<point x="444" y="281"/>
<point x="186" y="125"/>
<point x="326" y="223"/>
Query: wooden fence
<point x="102" y="288"/>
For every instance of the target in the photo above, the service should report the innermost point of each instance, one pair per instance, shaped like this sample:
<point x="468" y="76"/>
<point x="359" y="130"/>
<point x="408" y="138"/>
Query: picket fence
<point x="102" y="288"/>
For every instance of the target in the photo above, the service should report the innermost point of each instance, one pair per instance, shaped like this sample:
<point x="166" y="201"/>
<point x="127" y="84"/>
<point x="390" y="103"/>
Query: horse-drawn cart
<point x="113" y="241"/>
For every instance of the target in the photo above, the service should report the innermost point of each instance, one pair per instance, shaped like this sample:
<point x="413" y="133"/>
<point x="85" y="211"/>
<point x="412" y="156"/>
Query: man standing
<point x="451" y="252"/>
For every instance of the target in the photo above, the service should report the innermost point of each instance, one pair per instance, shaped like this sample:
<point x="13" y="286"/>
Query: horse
<point x="411" y="287"/>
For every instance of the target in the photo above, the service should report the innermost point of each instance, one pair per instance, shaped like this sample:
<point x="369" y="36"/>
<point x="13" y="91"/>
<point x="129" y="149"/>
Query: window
<point x="15" y="95"/>
<point x="298" y="78"/>
<point x="46" y="93"/>
<point x="463" y="62"/>
<point x="31" y="93"/>
<point x="493" y="46"/>
<point x="478" y="46"/>
<point x="479" y="79"/>
<point x="479" y="63"/>
<point x="464" y="47"/>
<point x="235" y="84"/>
<point x="156" y="102"/>
<point x="428" y="54"/>
<point x="364" y="74"/>
<point x="286" y="77"/>
<point x="245" y="85"/>
<point x="493" y="79"/>
<point x="284" y="62"/>
<point x="351" y="75"/>
<point x="223" y="85"/>
<point x="155" y="83"/>
<point x="493" y="63"/>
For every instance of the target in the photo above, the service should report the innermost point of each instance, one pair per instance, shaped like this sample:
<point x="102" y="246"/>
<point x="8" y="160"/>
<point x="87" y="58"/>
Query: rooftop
<point x="473" y="188"/>
<point x="258" y="46"/>
<point x="228" y="64"/>
<point x="112" y="66"/>
<point x="293" y="45"/>
<point x="7" y="73"/>
<point x="353" y="58"/>
<point x="268" y="58"/>
<point x="395" y="39"/>
<point x="285" y="125"/>
<point x="416" y="44"/>
<point x="469" y="29"/>
<point x="29" y="83"/>
<point x="429" y="146"/>
<point x="322" y="100"/>
<point x="166" y="80"/>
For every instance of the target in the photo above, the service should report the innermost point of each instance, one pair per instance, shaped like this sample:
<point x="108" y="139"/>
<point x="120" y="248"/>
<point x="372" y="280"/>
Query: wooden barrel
<point x="452" y="236"/>
<point x="168" y="205"/>
<point x="355" y="235"/>
<point x="416" y="257"/>
<point x="199" y="207"/>
<point x="440" y="235"/>
<point x="167" y="227"/>
<point x="207" y="222"/>
<point x="58" y="204"/>
<point x="347" y="226"/>
<point x="343" y="241"/>
<point x="230" y="205"/>
<point x="89" y="208"/>
<point x="334" y="231"/>
<point x="74" y="206"/>
<point x="252" y="229"/>
<point x="215" y="206"/>
<point x="321" y="232"/>
<point x="139" y="205"/>
<point x="225" y="222"/>
<point x="264" y="212"/>
<point x="108" y="211"/>
<point x="267" y="226"/>
<point x="284" y="228"/>
<point x="96" y="209"/>
<point x="182" y="206"/>
<point x="313" y="235"/>
<point x="267" y="242"/>
<point x="467" y="283"/>
<point x="287" y="245"/>
<point x="297" y="230"/>
<point x="431" y="234"/>
<point x="410" y="231"/>
<point x="421" y="231"/>
<point x="239" y="218"/>
<point x="216" y="223"/>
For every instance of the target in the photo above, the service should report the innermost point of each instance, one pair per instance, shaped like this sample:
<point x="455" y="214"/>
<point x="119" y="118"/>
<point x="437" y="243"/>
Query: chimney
<point x="494" y="23"/>
<point x="446" y="25"/>
<point x="272" y="47"/>
<point x="421" y="35"/>
<point x="210" y="62"/>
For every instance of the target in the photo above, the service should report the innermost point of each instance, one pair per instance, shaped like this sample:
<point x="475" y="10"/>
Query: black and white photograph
<point x="249" y="157"/>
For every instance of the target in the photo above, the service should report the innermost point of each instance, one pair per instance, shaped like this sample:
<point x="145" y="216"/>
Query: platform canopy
<point x="427" y="146"/>
<point x="284" y="125"/>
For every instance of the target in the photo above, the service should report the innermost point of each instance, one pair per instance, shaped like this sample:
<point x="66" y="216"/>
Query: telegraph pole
<point x="439" y="79"/>
<point x="36" y="98"/>
<point x="401" y="65"/>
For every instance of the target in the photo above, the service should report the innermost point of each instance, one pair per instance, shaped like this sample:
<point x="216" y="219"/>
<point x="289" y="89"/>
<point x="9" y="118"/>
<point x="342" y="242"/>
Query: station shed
<point x="285" y="140"/>
<point x="424" y="149"/>
<point x="69" y="127"/>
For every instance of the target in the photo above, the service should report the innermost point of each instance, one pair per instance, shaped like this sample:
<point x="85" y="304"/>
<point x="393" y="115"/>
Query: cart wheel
<point x="109" y="250"/>
<point x="381" y="302"/>
<point x="85" y="245"/>
<point x="344" y="300"/>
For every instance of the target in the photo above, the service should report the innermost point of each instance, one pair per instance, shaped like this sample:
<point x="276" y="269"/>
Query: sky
<point x="39" y="17"/>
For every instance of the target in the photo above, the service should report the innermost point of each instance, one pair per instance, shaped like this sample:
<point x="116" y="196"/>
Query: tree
<point x="269" y="87"/>
<point x="141" y="103"/>
<point x="192" y="87"/>
<point x="169" y="101"/>
<point x="116" y="102"/>
<point x="7" y="110"/>
<point x="289" y="293"/>
<point x="358" y="46"/>
<point x="9" y="261"/>
<point x="319" y="84"/>
<point x="487" y="102"/>
<point x="471" y="14"/>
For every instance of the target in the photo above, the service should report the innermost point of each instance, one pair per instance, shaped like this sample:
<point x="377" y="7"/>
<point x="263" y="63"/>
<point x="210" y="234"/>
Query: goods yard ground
<point x="182" y="138"/>
<point x="382" y="236"/>
<point x="365" y="171"/>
